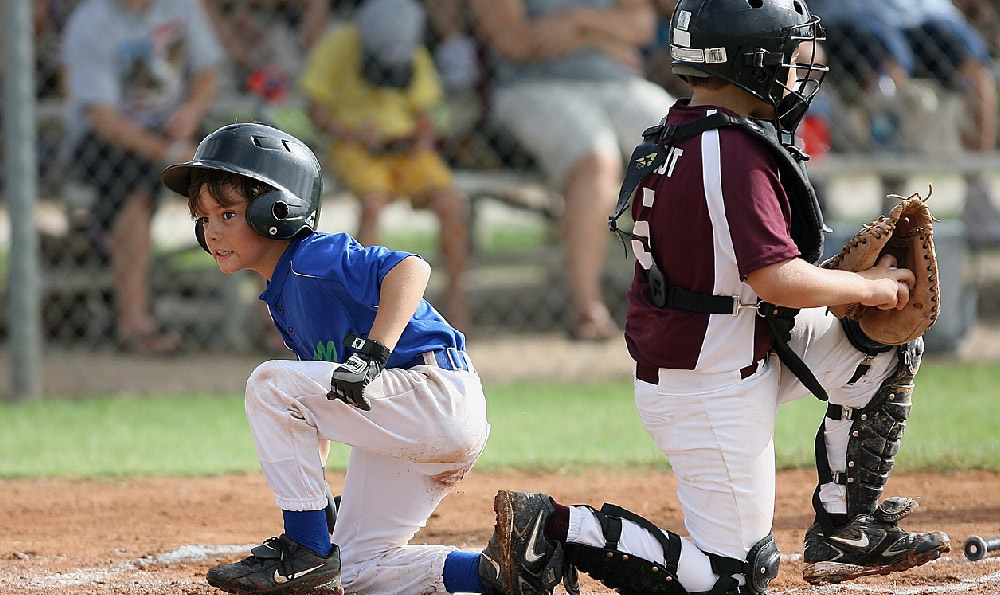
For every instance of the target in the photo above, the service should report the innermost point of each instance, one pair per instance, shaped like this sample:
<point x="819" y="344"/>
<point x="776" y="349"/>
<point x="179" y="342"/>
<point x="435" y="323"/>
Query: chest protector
<point x="807" y="219"/>
<point x="807" y="227"/>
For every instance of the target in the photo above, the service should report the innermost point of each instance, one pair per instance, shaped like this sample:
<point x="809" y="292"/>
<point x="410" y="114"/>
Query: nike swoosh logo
<point x="529" y="553"/>
<point x="861" y="542"/>
<point x="280" y="578"/>
<point x="897" y="548"/>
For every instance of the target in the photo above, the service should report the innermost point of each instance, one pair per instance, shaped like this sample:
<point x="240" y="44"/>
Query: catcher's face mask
<point x="768" y="48"/>
<point x="804" y="73"/>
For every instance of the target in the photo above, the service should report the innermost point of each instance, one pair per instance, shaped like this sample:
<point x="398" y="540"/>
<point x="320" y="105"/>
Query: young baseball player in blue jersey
<point x="378" y="369"/>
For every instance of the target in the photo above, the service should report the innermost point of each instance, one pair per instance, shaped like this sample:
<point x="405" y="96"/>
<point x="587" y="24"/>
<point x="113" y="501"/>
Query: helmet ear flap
<point x="279" y="215"/>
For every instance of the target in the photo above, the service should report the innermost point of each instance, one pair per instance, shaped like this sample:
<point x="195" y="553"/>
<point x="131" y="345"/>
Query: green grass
<point x="536" y="426"/>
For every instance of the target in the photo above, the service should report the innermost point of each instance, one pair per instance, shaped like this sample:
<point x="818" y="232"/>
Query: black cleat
<point x="278" y="566"/>
<point x="868" y="545"/>
<point x="520" y="559"/>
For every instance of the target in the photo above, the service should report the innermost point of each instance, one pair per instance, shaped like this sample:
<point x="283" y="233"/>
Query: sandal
<point x="151" y="343"/>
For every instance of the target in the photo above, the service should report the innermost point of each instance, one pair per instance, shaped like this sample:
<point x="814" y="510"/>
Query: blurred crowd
<point x="397" y="94"/>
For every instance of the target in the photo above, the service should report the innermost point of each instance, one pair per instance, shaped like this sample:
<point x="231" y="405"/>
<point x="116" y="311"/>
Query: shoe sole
<point x="822" y="573"/>
<point x="331" y="587"/>
<point x="503" y="505"/>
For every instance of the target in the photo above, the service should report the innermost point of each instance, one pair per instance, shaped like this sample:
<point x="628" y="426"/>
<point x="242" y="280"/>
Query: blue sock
<point x="461" y="573"/>
<point x="308" y="528"/>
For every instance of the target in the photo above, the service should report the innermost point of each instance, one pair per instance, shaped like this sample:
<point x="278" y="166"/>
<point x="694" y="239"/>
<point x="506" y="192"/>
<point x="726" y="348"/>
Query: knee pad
<point x="761" y="567"/>
<point x="876" y="431"/>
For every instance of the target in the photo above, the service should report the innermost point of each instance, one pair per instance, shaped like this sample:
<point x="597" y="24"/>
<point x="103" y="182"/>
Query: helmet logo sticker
<point x="715" y="56"/>
<point x="682" y="38"/>
<point x="684" y="20"/>
<point x="687" y="54"/>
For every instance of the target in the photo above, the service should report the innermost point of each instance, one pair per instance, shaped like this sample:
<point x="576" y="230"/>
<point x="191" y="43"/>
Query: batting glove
<point x="350" y="379"/>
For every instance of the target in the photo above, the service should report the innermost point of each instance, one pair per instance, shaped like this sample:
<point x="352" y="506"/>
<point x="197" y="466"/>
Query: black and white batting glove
<point x="350" y="379"/>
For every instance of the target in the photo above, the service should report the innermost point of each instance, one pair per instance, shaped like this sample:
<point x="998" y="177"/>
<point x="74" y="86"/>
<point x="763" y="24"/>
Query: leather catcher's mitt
<point x="906" y="233"/>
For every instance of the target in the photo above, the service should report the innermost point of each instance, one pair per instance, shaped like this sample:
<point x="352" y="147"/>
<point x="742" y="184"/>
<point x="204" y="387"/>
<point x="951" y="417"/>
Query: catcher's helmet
<point x="750" y="43"/>
<point x="271" y="156"/>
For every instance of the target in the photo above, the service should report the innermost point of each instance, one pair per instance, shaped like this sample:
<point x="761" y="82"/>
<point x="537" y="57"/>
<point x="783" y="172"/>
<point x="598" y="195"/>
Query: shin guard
<point x="876" y="432"/>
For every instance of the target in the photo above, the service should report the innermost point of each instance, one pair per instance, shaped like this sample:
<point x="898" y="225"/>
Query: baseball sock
<point x="308" y="528"/>
<point x="461" y="573"/>
<point x="558" y="526"/>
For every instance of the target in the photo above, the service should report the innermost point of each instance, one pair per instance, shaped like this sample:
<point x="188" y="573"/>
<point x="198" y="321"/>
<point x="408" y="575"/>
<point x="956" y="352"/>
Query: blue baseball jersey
<point x="327" y="286"/>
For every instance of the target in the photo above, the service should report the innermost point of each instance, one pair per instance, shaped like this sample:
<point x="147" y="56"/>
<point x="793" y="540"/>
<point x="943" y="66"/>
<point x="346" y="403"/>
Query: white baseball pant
<point x="717" y="432"/>
<point x="426" y="428"/>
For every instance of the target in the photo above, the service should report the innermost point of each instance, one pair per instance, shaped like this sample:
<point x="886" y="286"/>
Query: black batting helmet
<point x="750" y="44"/>
<point x="268" y="155"/>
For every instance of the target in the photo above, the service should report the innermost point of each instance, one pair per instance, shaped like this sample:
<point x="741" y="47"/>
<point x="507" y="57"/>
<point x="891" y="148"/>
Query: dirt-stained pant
<point x="717" y="432"/>
<point x="426" y="428"/>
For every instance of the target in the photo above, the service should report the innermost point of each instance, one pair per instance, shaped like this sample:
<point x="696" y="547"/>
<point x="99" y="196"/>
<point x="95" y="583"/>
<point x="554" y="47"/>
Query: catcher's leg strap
<point x="863" y="343"/>
<point x="631" y="575"/>
<point x="876" y="431"/>
<point x="781" y="321"/>
<point x="628" y="574"/>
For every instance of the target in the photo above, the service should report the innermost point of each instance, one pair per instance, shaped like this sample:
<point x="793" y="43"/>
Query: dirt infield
<point x="158" y="536"/>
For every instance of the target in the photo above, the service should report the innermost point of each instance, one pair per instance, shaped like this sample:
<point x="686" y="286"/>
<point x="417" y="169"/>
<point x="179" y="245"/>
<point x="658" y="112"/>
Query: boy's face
<point x="234" y="245"/>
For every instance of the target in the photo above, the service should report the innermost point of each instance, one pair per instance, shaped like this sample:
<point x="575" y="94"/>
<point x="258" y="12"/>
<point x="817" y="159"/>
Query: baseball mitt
<point x="906" y="233"/>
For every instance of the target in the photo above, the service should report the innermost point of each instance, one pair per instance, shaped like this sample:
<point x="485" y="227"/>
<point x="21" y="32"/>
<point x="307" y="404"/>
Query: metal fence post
<point x="21" y="174"/>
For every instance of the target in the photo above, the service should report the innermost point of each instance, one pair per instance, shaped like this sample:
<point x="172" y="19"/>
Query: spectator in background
<point x="267" y="40"/>
<point x="658" y="58"/>
<point x="455" y="51"/>
<point x="371" y="84"/>
<point x="140" y="77"/>
<point x="883" y="43"/>
<point x="568" y="84"/>
<point x="457" y="58"/>
<point x="984" y="15"/>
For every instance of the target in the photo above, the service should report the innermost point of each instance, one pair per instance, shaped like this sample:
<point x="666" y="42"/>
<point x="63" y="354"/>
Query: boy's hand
<point x="351" y="378"/>
<point x="892" y="285"/>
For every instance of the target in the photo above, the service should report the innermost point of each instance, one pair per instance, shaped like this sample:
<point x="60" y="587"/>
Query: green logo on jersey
<point x="325" y="352"/>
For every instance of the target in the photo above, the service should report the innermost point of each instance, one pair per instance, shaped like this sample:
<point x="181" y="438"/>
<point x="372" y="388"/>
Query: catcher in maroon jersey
<point x="727" y="320"/>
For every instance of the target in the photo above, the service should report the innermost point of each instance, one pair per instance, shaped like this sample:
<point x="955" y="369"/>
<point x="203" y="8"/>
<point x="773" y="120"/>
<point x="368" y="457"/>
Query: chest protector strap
<point x="807" y="218"/>
<point x="807" y="225"/>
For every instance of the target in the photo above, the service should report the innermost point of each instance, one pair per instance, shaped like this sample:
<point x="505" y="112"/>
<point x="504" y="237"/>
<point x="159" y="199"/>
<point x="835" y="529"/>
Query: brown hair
<point x="706" y="82"/>
<point x="216" y="180"/>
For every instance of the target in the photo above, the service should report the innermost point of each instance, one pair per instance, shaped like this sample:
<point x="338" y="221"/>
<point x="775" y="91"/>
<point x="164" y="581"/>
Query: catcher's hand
<point x="351" y="378"/>
<point x="906" y="234"/>
<point x="894" y="284"/>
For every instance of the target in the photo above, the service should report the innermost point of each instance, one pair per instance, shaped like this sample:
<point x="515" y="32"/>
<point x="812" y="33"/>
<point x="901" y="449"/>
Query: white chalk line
<point x="135" y="570"/>
<point x="962" y="586"/>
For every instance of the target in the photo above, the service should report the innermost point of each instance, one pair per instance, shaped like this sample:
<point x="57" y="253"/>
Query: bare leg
<point x="981" y="216"/>
<point x="453" y="238"/>
<point x="131" y="247"/>
<point x="590" y="195"/>
<point x="981" y="100"/>
<point x="371" y="206"/>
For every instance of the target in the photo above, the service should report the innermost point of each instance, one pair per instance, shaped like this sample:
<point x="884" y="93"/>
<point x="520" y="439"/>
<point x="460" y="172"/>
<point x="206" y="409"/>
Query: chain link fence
<point x="119" y="280"/>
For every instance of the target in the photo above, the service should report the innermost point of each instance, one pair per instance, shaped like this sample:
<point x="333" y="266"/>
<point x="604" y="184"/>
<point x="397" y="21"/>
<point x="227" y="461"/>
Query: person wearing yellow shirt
<point x="371" y="84"/>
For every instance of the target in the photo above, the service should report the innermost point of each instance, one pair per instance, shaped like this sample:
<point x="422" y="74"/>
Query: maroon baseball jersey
<point x="711" y="215"/>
